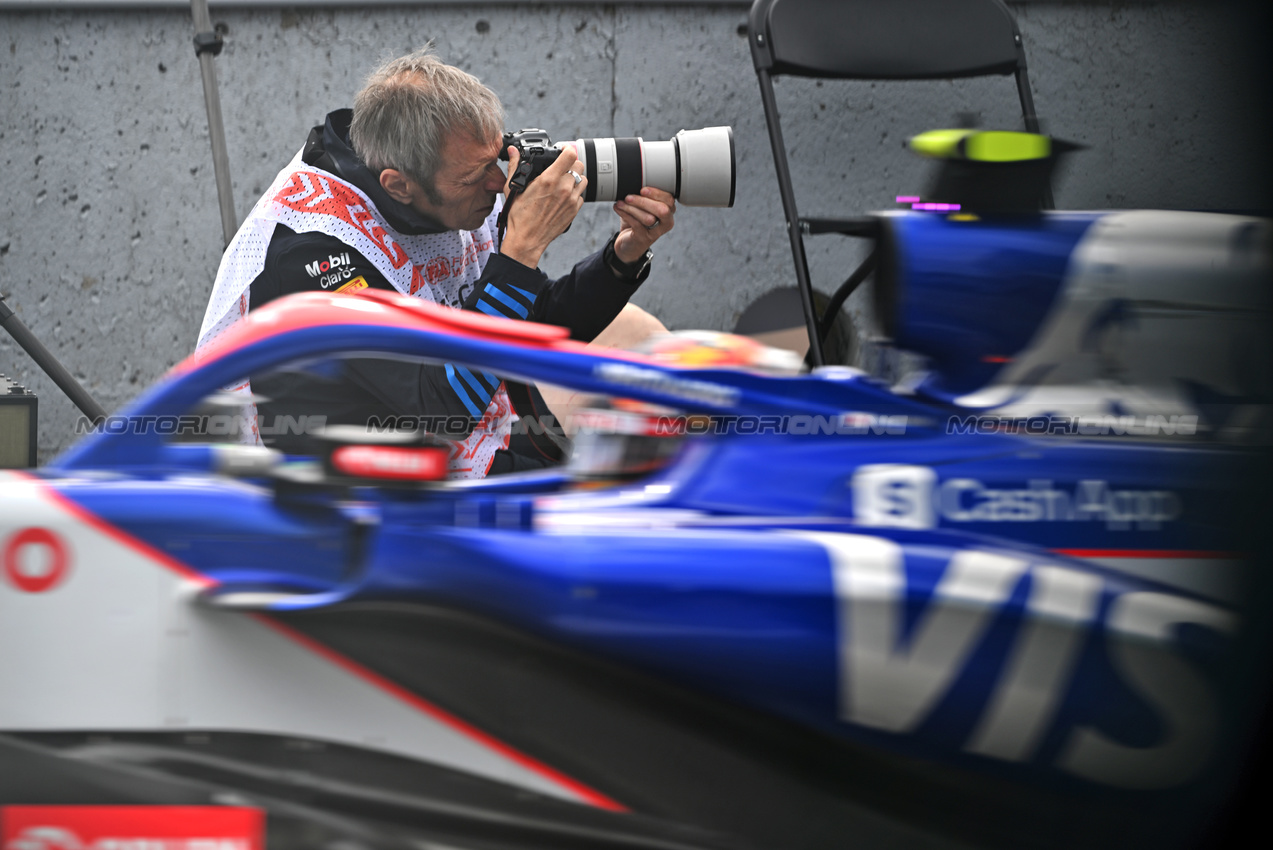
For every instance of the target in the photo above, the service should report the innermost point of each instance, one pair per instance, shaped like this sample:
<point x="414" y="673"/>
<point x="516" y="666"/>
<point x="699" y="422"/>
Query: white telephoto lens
<point x="706" y="167"/>
<point x="696" y="167"/>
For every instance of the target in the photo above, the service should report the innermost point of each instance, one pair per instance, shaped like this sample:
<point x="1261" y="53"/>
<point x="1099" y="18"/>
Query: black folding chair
<point x="872" y="40"/>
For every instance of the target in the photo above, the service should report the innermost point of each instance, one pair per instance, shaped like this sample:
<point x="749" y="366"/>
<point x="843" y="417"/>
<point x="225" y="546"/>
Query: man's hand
<point x="646" y="217"/>
<point x="545" y="209"/>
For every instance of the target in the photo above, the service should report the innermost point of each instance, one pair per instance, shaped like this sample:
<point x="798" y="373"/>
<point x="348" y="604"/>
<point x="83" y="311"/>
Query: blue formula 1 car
<point x="1016" y="602"/>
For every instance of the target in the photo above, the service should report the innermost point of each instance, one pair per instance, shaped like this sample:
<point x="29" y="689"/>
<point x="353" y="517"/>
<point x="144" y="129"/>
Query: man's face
<point x="465" y="187"/>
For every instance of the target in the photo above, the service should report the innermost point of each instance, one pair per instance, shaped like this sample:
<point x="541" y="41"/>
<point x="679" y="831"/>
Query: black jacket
<point x="352" y="391"/>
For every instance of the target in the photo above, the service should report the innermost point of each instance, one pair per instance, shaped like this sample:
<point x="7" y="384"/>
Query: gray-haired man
<point x="404" y="192"/>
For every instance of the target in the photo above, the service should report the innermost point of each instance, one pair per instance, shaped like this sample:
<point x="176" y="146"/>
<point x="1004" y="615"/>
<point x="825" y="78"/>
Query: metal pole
<point x="207" y="44"/>
<point x="50" y="364"/>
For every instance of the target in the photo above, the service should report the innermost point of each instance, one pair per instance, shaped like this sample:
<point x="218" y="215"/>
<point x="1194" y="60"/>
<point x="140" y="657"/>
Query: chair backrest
<point x="873" y="40"/>
<point x="885" y="39"/>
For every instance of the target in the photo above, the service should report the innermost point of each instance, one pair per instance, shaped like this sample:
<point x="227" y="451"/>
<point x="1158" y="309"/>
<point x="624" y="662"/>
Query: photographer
<point x="405" y="192"/>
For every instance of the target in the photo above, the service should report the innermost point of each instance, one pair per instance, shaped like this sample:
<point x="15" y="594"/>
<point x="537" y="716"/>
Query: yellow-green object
<point x="982" y="145"/>
<point x="940" y="144"/>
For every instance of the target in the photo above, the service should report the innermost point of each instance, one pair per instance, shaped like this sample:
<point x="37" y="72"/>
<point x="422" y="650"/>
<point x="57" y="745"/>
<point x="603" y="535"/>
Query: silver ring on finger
<point x="657" y="222"/>
<point x="578" y="177"/>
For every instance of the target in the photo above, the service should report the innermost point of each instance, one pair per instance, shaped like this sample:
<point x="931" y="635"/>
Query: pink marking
<point x="1149" y="553"/>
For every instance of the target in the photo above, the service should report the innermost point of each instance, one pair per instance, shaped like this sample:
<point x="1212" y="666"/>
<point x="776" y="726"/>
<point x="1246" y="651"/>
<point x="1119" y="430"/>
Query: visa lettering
<point x="894" y="681"/>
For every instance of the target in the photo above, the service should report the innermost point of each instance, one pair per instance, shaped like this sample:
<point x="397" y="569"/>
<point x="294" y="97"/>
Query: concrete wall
<point x="110" y="235"/>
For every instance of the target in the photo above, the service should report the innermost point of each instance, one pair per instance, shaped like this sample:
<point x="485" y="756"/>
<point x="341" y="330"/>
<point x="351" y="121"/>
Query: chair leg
<point x="769" y="102"/>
